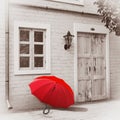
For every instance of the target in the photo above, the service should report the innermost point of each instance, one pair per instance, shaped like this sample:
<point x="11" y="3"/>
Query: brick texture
<point x="2" y="56"/>
<point x="115" y="66"/>
<point x="62" y="61"/>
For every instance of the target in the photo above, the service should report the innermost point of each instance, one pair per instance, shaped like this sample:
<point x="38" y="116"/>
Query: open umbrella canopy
<point x="53" y="91"/>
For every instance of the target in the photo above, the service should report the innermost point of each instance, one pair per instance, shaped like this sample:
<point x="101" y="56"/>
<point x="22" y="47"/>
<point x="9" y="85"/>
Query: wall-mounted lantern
<point x="68" y="40"/>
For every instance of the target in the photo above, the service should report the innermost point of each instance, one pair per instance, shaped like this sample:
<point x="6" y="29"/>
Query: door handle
<point x="94" y="68"/>
<point x="89" y="68"/>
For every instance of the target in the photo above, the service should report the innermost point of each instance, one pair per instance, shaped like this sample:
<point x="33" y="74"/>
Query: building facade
<point x="36" y="47"/>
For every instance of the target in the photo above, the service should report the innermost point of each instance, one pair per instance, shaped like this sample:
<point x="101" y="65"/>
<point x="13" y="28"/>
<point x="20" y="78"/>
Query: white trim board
<point x="77" y="2"/>
<point x="33" y="25"/>
<point x="90" y="28"/>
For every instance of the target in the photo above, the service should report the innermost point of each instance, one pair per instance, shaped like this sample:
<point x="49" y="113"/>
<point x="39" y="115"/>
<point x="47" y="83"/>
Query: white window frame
<point x="87" y="28"/>
<point x="77" y="2"/>
<point x="31" y="25"/>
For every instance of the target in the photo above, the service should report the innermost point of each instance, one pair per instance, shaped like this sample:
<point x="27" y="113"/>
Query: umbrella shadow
<point x="76" y="109"/>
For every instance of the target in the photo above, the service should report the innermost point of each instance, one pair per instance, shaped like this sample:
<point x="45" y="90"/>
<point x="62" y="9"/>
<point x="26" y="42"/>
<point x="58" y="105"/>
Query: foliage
<point x="110" y="11"/>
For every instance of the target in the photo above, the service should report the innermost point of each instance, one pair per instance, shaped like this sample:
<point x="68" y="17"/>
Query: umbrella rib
<point x="44" y="85"/>
<point x="65" y="94"/>
<point x="51" y="90"/>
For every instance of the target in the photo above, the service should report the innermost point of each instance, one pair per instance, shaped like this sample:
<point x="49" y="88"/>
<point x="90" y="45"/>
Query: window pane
<point x="24" y="35"/>
<point x="38" y="36"/>
<point x="38" y="62"/>
<point x="38" y="49"/>
<point x="24" y="49"/>
<point x="24" y="61"/>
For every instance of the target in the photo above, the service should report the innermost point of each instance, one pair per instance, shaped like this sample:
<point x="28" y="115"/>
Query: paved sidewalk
<point x="107" y="110"/>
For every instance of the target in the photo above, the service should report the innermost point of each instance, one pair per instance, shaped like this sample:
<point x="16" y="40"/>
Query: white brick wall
<point x="62" y="61"/>
<point x="2" y="56"/>
<point x="87" y="7"/>
<point x="115" y="66"/>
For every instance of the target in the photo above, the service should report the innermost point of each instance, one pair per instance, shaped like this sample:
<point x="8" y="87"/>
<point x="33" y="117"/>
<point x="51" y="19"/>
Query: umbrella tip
<point x="46" y="110"/>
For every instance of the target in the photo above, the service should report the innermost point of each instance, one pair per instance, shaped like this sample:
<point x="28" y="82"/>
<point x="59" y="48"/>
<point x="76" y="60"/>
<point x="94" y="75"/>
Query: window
<point x="31" y="48"/>
<point x="78" y="2"/>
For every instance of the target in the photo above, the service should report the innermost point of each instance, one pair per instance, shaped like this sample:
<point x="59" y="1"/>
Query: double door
<point x="91" y="67"/>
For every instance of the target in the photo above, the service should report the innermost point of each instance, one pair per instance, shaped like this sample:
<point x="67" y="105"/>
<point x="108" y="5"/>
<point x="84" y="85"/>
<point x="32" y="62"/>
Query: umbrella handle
<point x="46" y="110"/>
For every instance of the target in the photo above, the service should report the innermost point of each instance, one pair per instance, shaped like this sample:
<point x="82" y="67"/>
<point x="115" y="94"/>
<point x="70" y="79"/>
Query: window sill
<point x="31" y="72"/>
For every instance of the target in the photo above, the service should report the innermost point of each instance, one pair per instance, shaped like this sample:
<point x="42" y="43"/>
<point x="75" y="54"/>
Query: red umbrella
<point x="53" y="91"/>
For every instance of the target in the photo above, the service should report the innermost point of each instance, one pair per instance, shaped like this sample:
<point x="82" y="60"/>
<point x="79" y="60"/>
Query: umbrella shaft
<point x="46" y="110"/>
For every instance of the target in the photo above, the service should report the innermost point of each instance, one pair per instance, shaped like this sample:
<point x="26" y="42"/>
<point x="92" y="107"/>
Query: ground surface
<point x="105" y="110"/>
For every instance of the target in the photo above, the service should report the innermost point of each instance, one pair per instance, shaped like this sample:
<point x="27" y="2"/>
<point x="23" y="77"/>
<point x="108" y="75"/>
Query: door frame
<point x="90" y="28"/>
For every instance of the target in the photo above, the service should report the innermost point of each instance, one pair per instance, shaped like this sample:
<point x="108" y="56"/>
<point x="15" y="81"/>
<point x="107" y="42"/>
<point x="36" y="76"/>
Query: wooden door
<point x="91" y="67"/>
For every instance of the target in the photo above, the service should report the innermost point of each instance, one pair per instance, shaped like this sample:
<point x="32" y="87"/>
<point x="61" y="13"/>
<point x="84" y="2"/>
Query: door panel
<point x="98" y="44"/>
<point x="81" y="90"/>
<point x="91" y="67"/>
<point x="84" y="45"/>
<point x="98" y="66"/>
<point x="98" y="89"/>
<point x="83" y="64"/>
<point x="98" y="76"/>
<point x="84" y="90"/>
